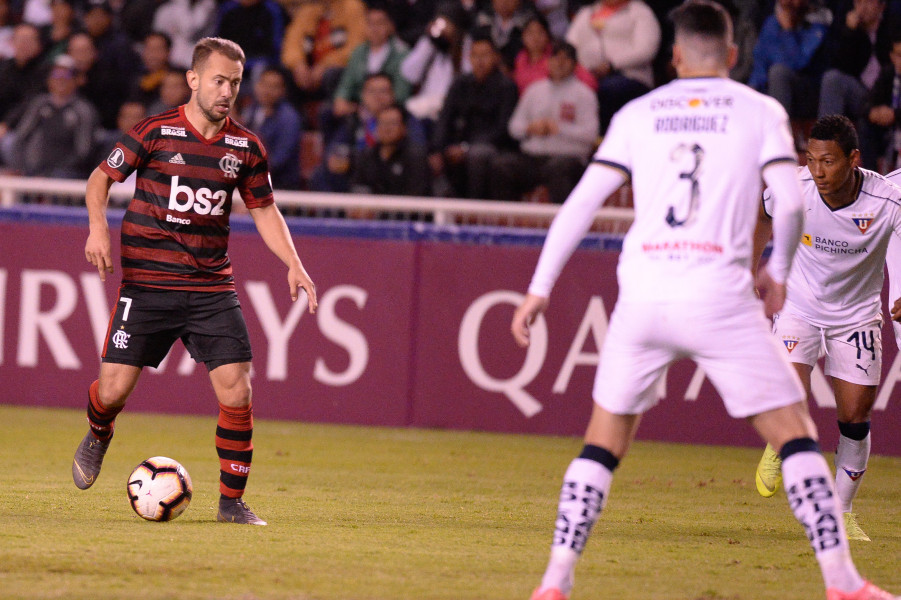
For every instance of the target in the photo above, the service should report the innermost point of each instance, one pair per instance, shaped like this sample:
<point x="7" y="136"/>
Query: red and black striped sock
<point x="102" y="419"/>
<point x="234" y="434"/>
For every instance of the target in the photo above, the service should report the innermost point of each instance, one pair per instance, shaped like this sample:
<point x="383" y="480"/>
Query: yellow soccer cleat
<point x="769" y="473"/>
<point x="853" y="529"/>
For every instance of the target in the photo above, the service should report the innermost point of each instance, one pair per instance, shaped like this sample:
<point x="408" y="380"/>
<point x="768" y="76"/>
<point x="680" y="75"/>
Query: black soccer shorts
<point x="147" y="321"/>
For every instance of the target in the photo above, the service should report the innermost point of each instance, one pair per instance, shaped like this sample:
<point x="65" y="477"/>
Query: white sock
<point x="812" y="498"/>
<point x="850" y="465"/>
<point x="586" y="486"/>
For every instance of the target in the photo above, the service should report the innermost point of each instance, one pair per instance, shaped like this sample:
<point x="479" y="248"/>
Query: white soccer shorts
<point x="731" y="341"/>
<point x="853" y="354"/>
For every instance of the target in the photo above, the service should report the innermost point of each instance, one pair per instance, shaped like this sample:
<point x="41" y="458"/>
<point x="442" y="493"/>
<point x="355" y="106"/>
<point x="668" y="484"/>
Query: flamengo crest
<point x="229" y="165"/>
<point x="120" y="339"/>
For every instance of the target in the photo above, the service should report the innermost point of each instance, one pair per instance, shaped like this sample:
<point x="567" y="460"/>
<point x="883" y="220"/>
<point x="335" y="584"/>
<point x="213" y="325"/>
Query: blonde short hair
<point x="206" y="46"/>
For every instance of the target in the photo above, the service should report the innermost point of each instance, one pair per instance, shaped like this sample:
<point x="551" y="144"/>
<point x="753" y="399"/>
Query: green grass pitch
<point x="384" y="514"/>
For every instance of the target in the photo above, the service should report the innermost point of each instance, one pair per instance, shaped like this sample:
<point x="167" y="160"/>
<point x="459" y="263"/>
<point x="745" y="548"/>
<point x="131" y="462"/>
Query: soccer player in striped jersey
<point x="177" y="280"/>
<point x="695" y="150"/>
<point x="834" y="305"/>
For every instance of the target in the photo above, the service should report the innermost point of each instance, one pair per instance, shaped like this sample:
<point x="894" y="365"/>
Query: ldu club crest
<point x="790" y="342"/>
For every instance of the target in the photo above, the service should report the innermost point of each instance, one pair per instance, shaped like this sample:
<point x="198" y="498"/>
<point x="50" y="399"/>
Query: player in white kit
<point x="695" y="150"/>
<point x="834" y="306"/>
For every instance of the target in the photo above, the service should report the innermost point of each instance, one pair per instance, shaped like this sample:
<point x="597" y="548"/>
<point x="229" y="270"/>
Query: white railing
<point x="616" y="216"/>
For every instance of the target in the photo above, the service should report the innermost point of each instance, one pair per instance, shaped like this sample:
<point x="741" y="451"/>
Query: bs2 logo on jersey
<point x="182" y="198"/>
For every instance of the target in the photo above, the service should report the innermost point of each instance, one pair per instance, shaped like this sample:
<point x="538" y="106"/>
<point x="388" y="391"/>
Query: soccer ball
<point x="159" y="489"/>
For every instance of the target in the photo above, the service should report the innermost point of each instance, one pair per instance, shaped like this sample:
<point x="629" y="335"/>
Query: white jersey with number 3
<point x="695" y="149"/>
<point x="837" y="276"/>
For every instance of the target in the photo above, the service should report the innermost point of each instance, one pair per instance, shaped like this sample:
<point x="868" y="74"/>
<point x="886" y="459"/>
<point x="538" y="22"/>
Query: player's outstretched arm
<point x="571" y="224"/>
<point x="524" y="316"/>
<point x="274" y="231"/>
<point x="569" y="227"/>
<point x="97" y="250"/>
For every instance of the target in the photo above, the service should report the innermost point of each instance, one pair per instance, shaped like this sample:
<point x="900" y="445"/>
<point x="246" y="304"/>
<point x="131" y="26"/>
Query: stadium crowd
<point x="485" y="99"/>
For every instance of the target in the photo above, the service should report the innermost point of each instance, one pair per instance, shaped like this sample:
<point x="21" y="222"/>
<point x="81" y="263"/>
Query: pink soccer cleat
<point x="867" y="592"/>
<point x="555" y="594"/>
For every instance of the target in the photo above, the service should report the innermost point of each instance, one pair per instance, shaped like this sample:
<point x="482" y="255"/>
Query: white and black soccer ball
<point x="159" y="489"/>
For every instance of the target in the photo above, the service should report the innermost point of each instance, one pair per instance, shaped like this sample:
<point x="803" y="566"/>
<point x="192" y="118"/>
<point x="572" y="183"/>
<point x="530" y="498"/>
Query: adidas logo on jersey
<point x="177" y="159"/>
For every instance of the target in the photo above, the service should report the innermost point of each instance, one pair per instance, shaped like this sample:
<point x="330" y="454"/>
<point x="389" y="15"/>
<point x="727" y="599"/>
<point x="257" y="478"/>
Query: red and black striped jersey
<point x="175" y="231"/>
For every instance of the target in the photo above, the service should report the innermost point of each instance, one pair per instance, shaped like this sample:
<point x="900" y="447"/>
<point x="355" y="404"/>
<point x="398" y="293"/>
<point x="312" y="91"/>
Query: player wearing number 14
<point x="833" y="305"/>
